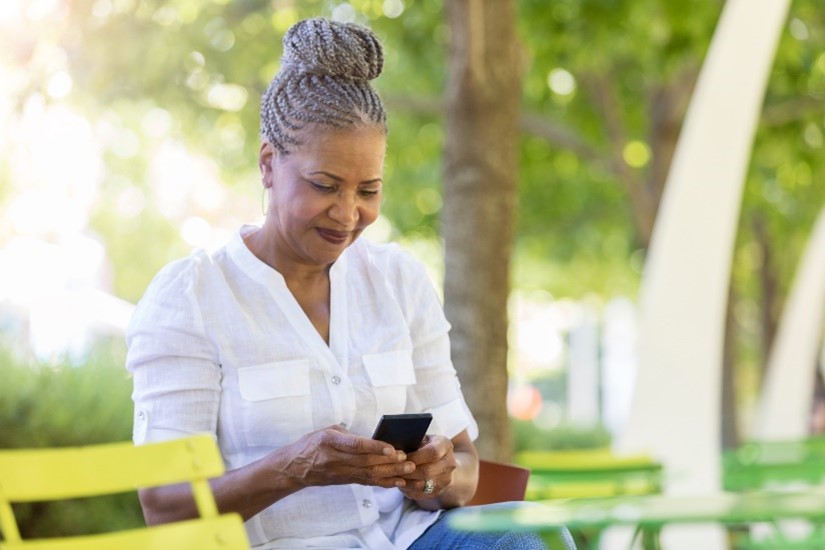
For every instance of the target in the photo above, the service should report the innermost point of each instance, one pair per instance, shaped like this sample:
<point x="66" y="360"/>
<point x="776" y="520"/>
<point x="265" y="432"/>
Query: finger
<point x="354" y="444"/>
<point x="389" y="475"/>
<point x="443" y="466"/>
<point x="384" y="475"/>
<point x="338" y="438"/>
<point x="335" y="468"/>
<point x="433" y="450"/>
<point x="427" y="488"/>
<point x="426" y="471"/>
<point x="391" y="483"/>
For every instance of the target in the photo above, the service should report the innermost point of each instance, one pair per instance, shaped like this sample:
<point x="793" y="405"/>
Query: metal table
<point x="651" y="512"/>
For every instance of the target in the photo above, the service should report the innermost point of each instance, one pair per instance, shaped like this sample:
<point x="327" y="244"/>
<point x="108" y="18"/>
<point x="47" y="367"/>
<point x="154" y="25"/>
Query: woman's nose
<point x="345" y="210"/>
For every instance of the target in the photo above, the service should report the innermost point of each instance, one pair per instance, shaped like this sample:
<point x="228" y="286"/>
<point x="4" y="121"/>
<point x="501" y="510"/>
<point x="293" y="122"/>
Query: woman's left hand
<point x="434" y="465"/>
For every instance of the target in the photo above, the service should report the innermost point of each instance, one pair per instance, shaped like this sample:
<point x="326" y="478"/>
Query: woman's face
<point x="323" y="194"/>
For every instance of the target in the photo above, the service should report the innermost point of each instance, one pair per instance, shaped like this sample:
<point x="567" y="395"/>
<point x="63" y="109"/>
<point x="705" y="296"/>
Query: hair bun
<point x="344" y="50"/>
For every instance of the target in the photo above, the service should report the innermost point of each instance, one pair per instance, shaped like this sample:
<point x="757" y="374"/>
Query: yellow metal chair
<point x="36" y="475"/>
<point x="592" y="473"/>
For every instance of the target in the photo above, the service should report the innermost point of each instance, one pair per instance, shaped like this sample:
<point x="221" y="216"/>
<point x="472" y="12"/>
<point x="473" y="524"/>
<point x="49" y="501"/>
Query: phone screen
<point x="403" y="431"/>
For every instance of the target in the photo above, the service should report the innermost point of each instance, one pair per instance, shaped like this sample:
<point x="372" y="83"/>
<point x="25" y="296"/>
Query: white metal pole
<point x="676" y="409"/>
<point x="785" y="403"/>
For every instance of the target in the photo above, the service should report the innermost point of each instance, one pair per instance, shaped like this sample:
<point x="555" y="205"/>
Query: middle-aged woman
<point x="291" y="341"/>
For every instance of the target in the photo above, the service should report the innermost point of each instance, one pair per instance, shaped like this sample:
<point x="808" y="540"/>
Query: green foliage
<point x="575" y="216"/>
<point x="785" y="188"/>
<point x="65" y="405"/>
<point x="137" y="260"/>
<point x="146" y="72"/>
<point x="133" y="62"/>
<point x="527" y="436"/>
<point x="576" y="235"/>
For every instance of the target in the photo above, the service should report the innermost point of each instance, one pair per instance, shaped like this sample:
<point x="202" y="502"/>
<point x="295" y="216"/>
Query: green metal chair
<point x="760" y="465"/>
<point x="776" y="466"/>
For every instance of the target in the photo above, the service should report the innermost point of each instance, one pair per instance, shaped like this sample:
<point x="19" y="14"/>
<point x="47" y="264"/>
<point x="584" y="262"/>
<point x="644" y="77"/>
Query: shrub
<point x="528" y="436"/>
<point x="65" y="405"/>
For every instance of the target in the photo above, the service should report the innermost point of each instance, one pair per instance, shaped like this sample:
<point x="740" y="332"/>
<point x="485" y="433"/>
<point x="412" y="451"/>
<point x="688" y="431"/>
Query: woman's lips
<point x="333" y="236"/>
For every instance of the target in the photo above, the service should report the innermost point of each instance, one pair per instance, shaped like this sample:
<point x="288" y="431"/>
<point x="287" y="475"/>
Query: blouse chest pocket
<point x="276" y="402"/>
<point x="390" y="375"/>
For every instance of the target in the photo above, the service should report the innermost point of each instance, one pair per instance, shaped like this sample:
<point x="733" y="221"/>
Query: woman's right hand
<point x="335" y="456"/>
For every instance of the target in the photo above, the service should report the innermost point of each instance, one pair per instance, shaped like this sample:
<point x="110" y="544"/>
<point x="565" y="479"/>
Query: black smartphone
<point x="403" y="431"/>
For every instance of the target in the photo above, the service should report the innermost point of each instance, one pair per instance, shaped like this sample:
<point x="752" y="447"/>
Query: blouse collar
<point x="259" y="270"/>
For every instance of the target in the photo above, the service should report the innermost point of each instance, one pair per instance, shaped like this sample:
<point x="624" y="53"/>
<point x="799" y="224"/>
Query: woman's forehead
<point x="316" y="134"/>
<point x="342" y="140"/>
<point x="351" y="150"/>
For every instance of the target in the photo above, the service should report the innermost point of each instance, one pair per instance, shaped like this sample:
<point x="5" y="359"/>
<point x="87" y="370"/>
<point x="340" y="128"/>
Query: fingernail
<point x="409" y="468"/>
<point x="402" y="456"/>
<point x="388" y="452"/>
<point x="400" y="483"/>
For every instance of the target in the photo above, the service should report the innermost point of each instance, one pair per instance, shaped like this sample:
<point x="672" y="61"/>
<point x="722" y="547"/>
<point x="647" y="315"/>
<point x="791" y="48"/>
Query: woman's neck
<point x="294" y="272"/>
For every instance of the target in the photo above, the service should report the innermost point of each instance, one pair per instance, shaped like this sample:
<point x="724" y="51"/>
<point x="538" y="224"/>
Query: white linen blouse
<point x="219" y="345"/>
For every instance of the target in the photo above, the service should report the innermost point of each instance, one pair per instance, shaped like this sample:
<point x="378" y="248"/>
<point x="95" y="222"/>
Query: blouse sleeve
<point x="437" y="388"/>
<point x="175" y="372"/>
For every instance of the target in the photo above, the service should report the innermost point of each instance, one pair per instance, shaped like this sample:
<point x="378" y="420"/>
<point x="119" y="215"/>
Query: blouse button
<point x="366" y="503"/>
<point x="336" y="379"/>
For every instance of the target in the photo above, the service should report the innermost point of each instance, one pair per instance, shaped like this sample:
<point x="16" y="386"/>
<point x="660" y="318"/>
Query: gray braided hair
<point x="324" y="79"/>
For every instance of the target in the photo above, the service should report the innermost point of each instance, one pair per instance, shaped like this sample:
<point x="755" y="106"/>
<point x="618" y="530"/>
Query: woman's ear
<point x="265" y="158"/>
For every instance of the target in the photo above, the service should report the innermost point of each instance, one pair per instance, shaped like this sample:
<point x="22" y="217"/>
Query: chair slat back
<point x="590" y="473"/>
<point x="578" y="460"/>
<point x="219" y="533"/>
<point x="28" y="475"/>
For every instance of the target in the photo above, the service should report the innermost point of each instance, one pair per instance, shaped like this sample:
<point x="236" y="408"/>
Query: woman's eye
<point x="323" y="188"/>
<point x="369" y="192"/>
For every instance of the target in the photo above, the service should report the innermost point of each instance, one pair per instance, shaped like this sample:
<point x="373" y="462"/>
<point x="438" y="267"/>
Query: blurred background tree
<point x="481" y="168"/>
<point x="167" y="92"/>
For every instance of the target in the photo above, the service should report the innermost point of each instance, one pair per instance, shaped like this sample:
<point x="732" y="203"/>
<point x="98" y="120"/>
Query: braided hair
<point x="324" y="80"/>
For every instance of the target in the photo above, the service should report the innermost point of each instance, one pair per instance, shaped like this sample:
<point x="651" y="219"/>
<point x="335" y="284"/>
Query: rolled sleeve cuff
<point x="144" y="433"/>
<point x="452" y="418"/>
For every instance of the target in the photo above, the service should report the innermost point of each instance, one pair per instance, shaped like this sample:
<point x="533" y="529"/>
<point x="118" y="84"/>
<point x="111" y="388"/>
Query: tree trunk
<point x="480" y="193"/>
<point x="769" y="291"/>
<point x="730" y="419"/>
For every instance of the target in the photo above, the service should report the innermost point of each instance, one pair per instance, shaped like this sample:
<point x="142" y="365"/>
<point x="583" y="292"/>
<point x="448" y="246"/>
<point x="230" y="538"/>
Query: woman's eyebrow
<point x="339" y="178"/>
<point x="327" y="174"/>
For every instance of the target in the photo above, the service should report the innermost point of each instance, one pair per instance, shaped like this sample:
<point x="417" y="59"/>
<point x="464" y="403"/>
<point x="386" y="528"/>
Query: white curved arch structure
<point x="785" y="404"/>
<point x="675" y="413"/>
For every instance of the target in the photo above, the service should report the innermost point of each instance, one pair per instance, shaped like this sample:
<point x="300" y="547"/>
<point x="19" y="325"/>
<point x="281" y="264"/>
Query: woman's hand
<point x="434" y="465"/>
<point x="331" y="456"/>
<point x="450" y="465"/>
<point x="335" y="456"/>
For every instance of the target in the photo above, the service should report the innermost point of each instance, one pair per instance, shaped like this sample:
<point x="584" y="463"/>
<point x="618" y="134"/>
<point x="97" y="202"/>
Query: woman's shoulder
<point x="389" y="258"/>
<point x="182" y="275"/>
<point x="397" y="270"/>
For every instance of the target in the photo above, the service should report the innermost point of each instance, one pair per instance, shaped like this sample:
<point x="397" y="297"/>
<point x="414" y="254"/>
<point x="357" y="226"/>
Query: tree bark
<point x="481" y="162"/>
<point x="769" y="291"/>
<point x="730" y="419"/>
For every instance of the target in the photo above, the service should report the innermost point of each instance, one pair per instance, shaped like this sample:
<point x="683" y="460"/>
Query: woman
<point x="291" y="341"/>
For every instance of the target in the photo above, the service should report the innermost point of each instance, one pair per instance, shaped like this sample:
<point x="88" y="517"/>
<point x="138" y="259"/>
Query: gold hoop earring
<point x="264" y="200"/>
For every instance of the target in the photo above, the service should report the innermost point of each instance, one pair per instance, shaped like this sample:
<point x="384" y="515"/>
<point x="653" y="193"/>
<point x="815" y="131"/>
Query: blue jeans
<point x="439" y="536"/>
